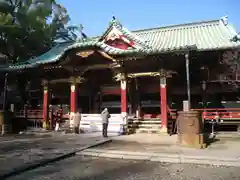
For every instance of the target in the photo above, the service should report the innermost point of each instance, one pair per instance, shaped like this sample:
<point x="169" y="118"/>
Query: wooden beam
<point x="99" y="66"/>
<point x="160" y="73"/>
<point x="107" y="56"/>
<point x="72" y="79"/>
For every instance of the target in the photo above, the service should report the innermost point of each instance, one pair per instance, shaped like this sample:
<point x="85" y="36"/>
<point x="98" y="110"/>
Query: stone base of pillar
<point x="238" y="128"/>
<point x="163" y="130"/>
<point x="45" y="125"/>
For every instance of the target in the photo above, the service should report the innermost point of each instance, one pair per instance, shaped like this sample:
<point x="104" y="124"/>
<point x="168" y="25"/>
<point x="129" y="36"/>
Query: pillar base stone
<point x="46" y="125"/>
<point x="163" y="130"/>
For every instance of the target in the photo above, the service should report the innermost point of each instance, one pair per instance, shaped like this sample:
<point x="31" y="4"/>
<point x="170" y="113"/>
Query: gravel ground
<point x="91" y="168"/>
<point x="16" y="154"/>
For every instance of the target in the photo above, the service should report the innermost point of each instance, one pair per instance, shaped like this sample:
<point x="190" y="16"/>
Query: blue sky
<point x="141" y="14"/>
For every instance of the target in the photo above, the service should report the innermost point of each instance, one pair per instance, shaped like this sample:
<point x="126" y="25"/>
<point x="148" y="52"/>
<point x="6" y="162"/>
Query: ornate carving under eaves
<point x="143" y="74"/>
<point x="85" y="54"/>
<point x="76" y="80"/>
<point x="161" y="73"/>
<point x="166" y="73"/>
<point x="45" y="82"/>
<point x="120" y="76"/>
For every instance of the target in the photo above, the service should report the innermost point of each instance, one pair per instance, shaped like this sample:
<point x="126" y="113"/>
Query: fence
<point x="227" y="116"/>
<point x="30" y="118"/>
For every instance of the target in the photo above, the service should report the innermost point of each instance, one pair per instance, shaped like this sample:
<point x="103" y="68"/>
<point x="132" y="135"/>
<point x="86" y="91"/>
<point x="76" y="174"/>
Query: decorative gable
<point x="117" y="39"/>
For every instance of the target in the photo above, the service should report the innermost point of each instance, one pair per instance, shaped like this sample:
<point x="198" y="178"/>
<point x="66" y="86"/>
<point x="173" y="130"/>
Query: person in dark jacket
<point x="105" y="116"/>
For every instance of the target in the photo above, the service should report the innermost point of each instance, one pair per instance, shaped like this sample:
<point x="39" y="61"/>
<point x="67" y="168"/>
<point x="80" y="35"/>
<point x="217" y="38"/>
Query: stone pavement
<point x="95" y="168"/>
<point x="225" y="151"/>
<point x="23" y="151"/>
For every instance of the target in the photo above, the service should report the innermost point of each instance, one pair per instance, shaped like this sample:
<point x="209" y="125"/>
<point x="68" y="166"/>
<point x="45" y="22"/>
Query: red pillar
<point x="45" y="106"/>
<point x="163" y="97"/>
<point x="124" y="99"/>
<point x="73" y="100"/>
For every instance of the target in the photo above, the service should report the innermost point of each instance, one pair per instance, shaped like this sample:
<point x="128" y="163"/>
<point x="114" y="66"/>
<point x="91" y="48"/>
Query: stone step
<point x="145" y="122"/>
<point x="143" y="125"/>
<point x="146" y="119"/>
<point x="148" y="130"/>
<point x="148" y="122"/>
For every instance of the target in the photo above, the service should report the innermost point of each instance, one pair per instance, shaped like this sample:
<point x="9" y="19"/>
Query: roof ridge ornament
<point x="83" y="37"/>
<point x="224" y="19"/>
<point x="115" y="22"/>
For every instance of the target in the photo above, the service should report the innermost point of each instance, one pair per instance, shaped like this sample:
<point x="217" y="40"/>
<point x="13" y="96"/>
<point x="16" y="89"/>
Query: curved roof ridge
<point x="179" y="26"/>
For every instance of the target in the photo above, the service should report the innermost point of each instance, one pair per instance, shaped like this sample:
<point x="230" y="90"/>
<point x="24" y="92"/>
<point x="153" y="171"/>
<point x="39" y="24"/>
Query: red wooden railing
<point x="33" y="117"/>
<point x="37" y="114"/>
<point x="172" y="113"/>
<point x="220" y="113"/>
<point x="31" y="114"/>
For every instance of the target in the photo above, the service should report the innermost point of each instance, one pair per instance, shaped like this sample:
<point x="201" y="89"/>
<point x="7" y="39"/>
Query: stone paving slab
<point x="224" y="144"/>
<point x="165" y="149"/>
<point x="95" y="168"/>
<point x="163" y="157"/>
<point x="14" y="154"/>
<point x="22" y="137"/>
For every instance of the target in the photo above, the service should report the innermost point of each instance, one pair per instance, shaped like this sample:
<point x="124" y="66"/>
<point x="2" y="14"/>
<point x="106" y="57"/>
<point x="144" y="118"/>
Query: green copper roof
<point x="203" y="36"/>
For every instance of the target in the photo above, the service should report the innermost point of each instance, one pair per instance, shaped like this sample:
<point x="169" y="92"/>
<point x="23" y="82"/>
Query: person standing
<point x="105" y="120"/>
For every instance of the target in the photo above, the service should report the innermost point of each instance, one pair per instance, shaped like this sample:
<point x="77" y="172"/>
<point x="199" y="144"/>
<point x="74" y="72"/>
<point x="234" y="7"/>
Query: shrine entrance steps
<point x="145" y="125"/>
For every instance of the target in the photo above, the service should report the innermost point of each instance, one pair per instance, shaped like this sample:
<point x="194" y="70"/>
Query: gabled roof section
<point x="117" y="30"/>
<point x="205" y="36"/>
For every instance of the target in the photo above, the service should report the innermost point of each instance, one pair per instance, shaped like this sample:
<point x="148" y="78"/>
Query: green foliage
<point x="30" y="27"/>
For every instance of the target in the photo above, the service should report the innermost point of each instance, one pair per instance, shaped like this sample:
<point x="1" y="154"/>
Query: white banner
<point x="93" y="122"/>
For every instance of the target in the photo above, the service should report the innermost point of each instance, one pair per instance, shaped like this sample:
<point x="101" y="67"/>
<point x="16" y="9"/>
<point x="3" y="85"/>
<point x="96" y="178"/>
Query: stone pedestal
<point x="192" y="140"/>
<point x="5" y="122"/>
<point x="190" y="129"/>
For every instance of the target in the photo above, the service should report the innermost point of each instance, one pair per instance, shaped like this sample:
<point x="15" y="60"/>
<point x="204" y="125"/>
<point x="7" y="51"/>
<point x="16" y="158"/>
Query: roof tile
<point x="204" y="35"/>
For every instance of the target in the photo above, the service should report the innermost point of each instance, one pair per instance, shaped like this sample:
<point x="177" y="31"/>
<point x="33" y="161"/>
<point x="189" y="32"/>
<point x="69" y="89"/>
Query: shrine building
<point x="135" y="74"/>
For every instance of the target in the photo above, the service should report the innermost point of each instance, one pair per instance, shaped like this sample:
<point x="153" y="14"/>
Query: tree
<point x="29" y="28"/>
